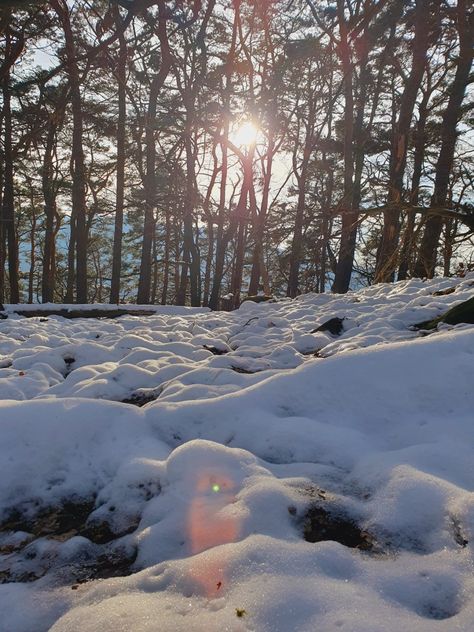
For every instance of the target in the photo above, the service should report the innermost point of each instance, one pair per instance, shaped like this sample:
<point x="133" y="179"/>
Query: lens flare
<point x="216" y="488"/>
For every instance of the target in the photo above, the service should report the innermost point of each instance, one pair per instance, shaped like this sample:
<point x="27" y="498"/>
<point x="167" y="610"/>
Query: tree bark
<point x="350" y="216"/>
<point x="426" y="262"/>
<point x="9" y="238"/>
<point x="120" y="173"/>
<point x="144" y="283"/>
<point x="387" y="253"/>
<point x="79" y="171"/>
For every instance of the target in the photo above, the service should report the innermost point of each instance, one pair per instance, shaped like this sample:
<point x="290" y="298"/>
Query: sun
<point x="246" y="134"/>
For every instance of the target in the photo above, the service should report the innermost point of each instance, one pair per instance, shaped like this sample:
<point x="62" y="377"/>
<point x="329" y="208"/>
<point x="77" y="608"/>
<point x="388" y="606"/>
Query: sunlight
<point x="246" y="134"/>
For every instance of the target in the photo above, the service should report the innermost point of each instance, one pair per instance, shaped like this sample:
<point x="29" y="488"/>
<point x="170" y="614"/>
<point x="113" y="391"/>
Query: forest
<point x="197" y="153"/>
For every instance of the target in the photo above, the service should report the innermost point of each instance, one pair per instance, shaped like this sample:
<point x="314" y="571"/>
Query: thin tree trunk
<point x="79" y="176"/>
<point x="387" y="253"/>
<point x="295" y="253"/>
<point x="31" y="272"/>
<point x="221" y="237"/>
<point x="48" y="277"/>
<point x="167" y="252"/>
<point x="8" y="200"/>
<point x="350" y="216"/>
<point x="69" y="298"/>
<point x="426" y="262"/>
<point x="406" y="252"/>
<point x="120" y="174"/>
<point x="260" y="220"/>
<point x="191" y="256"/>
<point x="144" y="283"/>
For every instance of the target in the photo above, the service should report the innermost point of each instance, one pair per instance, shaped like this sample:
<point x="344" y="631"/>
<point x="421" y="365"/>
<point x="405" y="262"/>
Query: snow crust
<point x="246" y="416"/>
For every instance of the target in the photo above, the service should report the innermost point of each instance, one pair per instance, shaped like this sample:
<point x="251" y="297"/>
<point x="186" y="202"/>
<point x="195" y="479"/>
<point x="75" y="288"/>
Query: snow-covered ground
<point x="159" y="473"/>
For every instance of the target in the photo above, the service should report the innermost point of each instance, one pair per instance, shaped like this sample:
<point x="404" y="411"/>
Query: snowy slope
<point x="196" y="500"/>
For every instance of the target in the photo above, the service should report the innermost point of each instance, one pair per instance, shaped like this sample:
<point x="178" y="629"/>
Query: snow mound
<point x="159" y="472"/>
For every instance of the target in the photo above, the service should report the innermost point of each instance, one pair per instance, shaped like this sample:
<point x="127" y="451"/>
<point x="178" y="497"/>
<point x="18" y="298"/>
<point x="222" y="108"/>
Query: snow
<point x="86" y="307"/>
<point x="249" y="419"/>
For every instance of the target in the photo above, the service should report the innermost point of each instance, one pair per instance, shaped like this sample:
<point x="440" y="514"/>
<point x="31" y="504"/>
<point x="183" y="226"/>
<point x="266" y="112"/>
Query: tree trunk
<point x="295" y="253"/>
<point x="120" y="174"/>
<point x="426" y="262"/>
<point x="260" y="219"/>
<point x="144" y="283"/>
<point x="8" y="199"/>
<point x="342" y="278"/>
<point x="406" y="253"/>
<point x="48" y="279"/>
<point x="387" y="253"/>
<point x="79" y="172"/>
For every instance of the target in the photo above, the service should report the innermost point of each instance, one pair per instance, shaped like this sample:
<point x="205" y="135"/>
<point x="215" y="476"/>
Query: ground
<point x="243" y="471"/>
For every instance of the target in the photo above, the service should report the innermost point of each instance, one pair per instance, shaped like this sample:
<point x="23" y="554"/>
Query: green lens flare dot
<point x="216" y="488"/>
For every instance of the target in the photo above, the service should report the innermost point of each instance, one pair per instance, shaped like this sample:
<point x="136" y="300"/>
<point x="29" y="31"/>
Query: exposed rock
<point x="334" y="326"/>
<point x="258" y="298"/>
<point x="445" y="292"/>
<point x="462" y="313"/>
<point x="31" y="545"/>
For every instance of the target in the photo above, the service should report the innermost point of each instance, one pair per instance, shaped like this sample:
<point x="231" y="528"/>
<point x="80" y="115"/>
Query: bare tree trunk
<point x="260" y="220"/>
<point x="52" y="224"/>
<point x="449" y="235"/>
<point x="210" y="233"/>
<point x="167" y="253"/>
<point x="242" y="215"/>
<point x="426" y="262"/>
<point x="144" y="283"/>
<point x="69" y="297"/>
<point x="79" y="176"/>
<point x="406" y="251"/>
<point x="8" y="199"/>
<point x="350" y="216"/>
<point x="221" y="242"/>
<point x="154" y="285"/>
<point x="386" y="256"/>
<point x="191" y="253"/>
<point x="221" y="237"/>
<point x="120" y="173"/>
<point x="31" y="272"/>
<point x="295" y="253"/>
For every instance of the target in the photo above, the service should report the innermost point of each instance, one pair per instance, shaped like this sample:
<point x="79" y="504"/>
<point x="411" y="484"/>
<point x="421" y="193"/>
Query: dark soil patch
<point x="458" y="533"/>
<point x="25" y="561"/>
<point x="68" y="361"/>
<point x="320" y="525"/>
<point x="60" y="523"/>
<point x="142" y="397"/>
<point x="115" y="564"/>
<point x="70" y="519"/>
<point x="215" y="350"/>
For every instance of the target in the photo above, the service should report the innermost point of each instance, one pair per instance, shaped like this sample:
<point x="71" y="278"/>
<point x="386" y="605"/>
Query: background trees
<point x="175" y="152"/>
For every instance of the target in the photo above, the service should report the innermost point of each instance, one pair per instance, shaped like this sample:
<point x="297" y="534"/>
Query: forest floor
<point x="243" y="471"/>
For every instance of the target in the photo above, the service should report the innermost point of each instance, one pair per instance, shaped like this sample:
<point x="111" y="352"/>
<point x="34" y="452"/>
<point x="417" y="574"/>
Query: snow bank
<point x="249" y="419"/>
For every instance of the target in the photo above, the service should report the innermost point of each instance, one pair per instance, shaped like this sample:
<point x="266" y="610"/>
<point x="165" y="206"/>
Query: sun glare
<point x="246" y="134"/>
